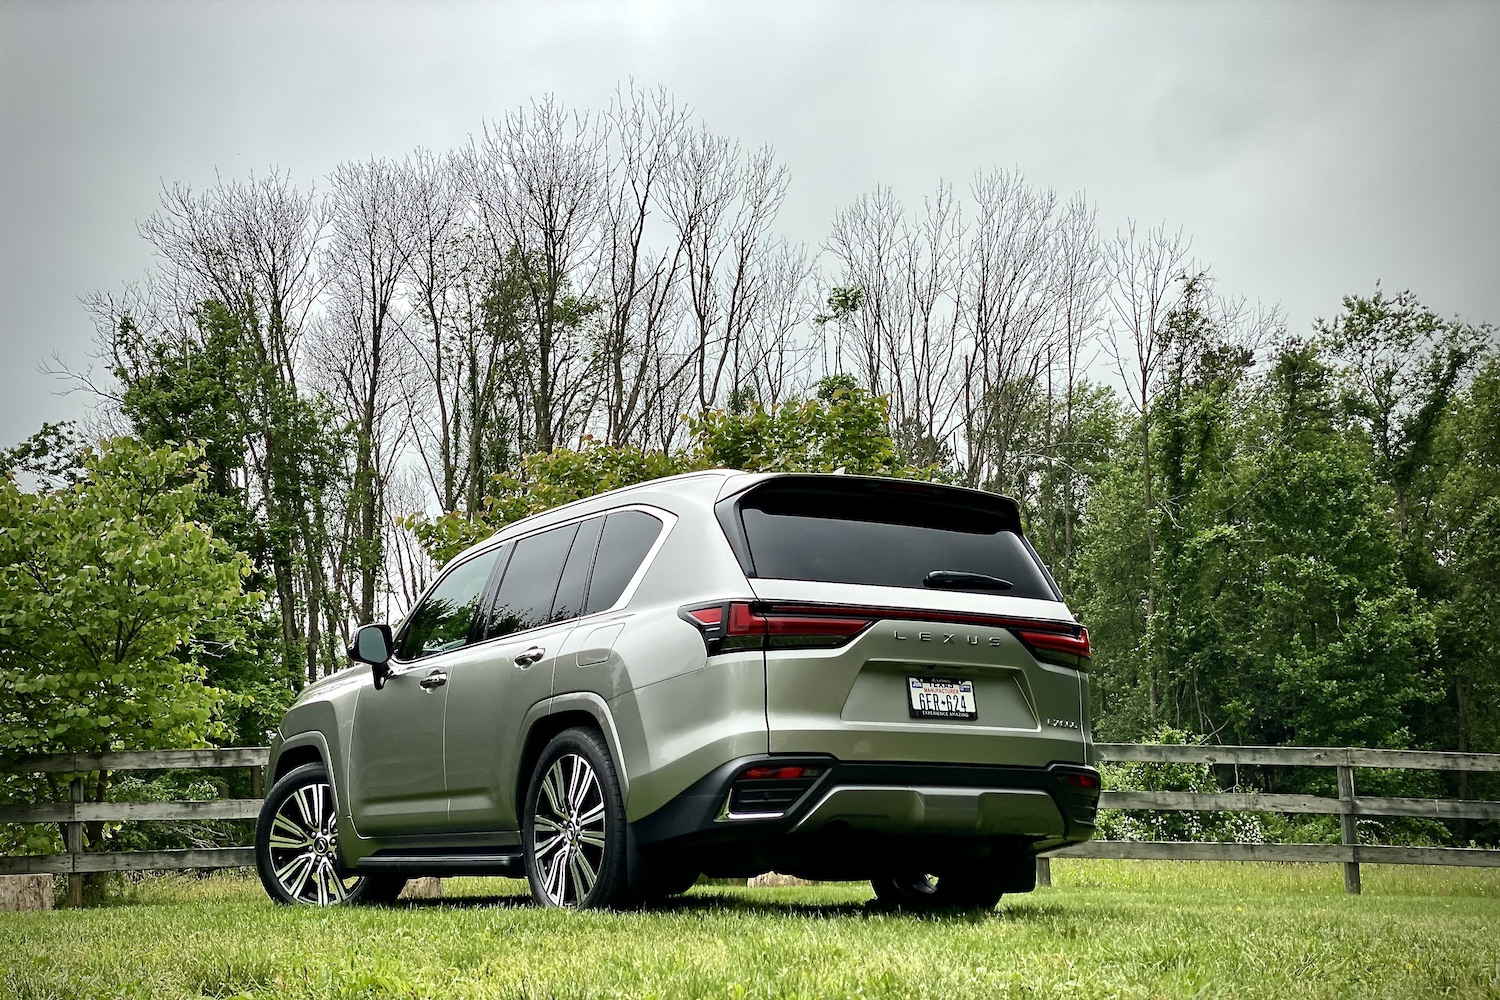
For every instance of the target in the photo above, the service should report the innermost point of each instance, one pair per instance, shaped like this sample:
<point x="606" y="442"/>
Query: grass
<point x="1107" y="929"/>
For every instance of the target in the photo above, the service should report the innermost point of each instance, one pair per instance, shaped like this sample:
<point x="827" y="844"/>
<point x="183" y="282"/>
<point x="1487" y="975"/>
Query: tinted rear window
<point x="530" y="583"/>
<point x="866" y="537"/>
<point x="628" y="536"/>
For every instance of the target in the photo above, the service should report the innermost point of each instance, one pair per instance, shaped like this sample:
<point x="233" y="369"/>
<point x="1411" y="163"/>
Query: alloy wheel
<point x="303" y="845"/>
<point x="568" y="839"/>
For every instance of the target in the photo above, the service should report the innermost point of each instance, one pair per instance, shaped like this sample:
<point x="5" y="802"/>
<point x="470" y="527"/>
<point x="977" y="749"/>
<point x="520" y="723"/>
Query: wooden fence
<point x="1347" y="805"/>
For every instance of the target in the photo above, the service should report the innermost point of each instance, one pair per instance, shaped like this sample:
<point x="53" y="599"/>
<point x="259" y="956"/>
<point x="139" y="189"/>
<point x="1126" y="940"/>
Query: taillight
<point x="1061" y="647"/>
<point x="736" y="625"/>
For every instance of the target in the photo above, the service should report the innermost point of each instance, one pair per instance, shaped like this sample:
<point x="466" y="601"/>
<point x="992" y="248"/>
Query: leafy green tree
<point x="1466" y="519"/>
<point x="272" y="460"/>
<point x="113" y="599"/>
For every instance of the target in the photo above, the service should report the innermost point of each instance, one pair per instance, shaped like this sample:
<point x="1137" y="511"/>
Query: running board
<point x="440" y="863"/>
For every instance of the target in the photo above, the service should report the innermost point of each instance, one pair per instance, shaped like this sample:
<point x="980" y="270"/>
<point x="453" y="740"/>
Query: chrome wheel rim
<point x="303" y="841"/>
<point x="568" y="831"/>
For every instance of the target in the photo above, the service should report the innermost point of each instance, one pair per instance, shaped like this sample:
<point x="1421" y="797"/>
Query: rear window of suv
<point x="886" y="537"/>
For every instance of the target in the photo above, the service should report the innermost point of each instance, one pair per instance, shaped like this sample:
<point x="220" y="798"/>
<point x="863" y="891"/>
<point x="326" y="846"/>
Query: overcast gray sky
<point x="1308" y="149"/>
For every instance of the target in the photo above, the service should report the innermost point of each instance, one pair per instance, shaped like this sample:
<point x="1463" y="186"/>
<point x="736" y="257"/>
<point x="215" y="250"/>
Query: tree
<point x="841" y="427"/>
<point x="113" y="599"/>
<point x="1144" y="271"/>
<point x="538" y="177"/>
<point x="1466" y="535"/>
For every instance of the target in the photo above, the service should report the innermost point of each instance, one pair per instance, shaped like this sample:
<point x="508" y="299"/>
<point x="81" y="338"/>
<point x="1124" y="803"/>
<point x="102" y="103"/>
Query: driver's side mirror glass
<point x="372" y="644"/>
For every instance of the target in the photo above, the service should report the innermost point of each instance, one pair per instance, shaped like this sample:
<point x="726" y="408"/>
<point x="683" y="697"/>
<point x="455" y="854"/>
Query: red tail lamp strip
<point x="783" y="625"/>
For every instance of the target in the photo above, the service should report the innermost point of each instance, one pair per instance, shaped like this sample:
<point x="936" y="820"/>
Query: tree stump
<point x="423" y="888"/>
<point x="25" y="892"/>
<point x="775" y="880"/>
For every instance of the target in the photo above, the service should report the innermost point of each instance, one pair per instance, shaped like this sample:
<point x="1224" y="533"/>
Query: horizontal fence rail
<point x="1347" y="805"/>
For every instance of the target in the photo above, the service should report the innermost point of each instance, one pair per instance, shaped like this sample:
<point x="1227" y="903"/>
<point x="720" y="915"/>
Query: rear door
<point x="539" y="596"/>
<point x="969" y="654"/>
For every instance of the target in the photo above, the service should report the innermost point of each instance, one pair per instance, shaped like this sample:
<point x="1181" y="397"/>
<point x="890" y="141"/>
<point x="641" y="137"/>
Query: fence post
<point x="1043" y="871"/>
<point x="73" y="843"/>
<point x="1350" y="826"/>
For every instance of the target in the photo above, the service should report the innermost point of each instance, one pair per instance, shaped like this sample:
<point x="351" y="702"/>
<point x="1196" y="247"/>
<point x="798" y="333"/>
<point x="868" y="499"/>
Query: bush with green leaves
<point x="1148" y="825"/>
<point x="113" y="599"/>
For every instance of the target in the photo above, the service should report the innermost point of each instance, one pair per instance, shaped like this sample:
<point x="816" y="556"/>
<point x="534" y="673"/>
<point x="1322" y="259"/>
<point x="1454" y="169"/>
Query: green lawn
<point x="1127" y="929"/>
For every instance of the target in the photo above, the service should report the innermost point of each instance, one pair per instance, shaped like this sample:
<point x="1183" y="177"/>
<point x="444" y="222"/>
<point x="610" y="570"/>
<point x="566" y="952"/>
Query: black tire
<point x="574" y="829"/>
<point x="296" y="846"/>
<point x="956" y="889"/>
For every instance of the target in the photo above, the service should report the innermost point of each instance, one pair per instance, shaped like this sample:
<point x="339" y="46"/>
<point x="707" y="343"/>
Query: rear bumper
<point x="861" y="811"/>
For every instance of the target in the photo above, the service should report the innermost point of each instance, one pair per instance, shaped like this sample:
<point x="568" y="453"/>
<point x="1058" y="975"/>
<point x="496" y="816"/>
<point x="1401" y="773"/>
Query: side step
<point x="443" y="862"/>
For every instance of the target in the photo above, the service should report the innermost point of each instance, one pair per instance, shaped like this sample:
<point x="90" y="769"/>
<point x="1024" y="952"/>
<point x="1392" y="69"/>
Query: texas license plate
<point x="935" y="698"/>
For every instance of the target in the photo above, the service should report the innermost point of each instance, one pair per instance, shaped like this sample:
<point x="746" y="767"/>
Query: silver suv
<point x="836" y="677"/>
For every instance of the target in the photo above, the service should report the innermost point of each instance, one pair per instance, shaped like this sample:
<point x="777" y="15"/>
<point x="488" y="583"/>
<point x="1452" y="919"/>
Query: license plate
<point x="935" y="698"/>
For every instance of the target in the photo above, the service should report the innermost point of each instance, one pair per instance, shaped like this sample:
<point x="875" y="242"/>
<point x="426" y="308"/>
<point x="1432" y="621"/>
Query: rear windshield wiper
<point x="965" y="581"/>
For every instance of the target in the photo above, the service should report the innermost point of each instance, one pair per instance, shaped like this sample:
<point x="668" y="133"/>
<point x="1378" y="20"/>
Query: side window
<point x="530" y="584"/>
<point x="628" y="536"/>
<point x="441" y="622"/>
<point x="575" y="575"/>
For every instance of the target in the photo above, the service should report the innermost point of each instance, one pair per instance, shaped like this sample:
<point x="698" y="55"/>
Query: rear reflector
<point x="775" y="773"/>
<point x="1087" y="782"/>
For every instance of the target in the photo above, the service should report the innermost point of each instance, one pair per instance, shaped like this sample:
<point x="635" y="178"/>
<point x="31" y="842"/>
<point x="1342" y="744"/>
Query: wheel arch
<point x="294" y="757"/>
<point x="306" y="748"/>
<point x="548" y="718"/>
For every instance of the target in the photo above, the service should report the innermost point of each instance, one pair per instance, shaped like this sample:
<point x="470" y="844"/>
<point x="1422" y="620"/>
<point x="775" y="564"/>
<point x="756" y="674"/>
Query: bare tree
<point x="1146" y="271"/>
<point x="1078" y="292"/>
<point x="638" y="284"/>
<point x="362" y="355"/>
<point x="252" y="247"/>
<point x="904" y="336"/>
<point x="538" y="176"/>
<point x="775" y="362"/>
<point x="721" y="202"/>
<point x="1008" y="304"/>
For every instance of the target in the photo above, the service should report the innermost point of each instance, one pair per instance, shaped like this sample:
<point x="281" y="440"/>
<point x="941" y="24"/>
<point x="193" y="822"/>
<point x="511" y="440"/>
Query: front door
<point x="397" y="783"/>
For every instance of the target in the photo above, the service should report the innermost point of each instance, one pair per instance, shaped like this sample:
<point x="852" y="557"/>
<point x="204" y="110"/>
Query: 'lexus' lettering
<point x="995" y="641"/>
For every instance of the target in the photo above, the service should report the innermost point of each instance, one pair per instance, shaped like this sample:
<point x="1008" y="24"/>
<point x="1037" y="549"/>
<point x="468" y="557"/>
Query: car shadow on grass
<point x="715" y="903"/>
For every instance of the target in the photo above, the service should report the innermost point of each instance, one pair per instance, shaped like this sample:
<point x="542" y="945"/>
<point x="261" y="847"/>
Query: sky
<point x="1308" y="149"/>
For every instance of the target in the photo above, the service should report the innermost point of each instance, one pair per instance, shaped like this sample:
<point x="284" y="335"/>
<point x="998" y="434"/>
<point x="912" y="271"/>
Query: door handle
<point x="436" y="679"/>
<point x="529" y="657"/>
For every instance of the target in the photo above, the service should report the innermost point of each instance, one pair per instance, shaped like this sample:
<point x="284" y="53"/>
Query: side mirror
<point x="372" y="645"/>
